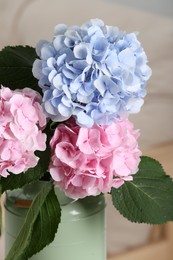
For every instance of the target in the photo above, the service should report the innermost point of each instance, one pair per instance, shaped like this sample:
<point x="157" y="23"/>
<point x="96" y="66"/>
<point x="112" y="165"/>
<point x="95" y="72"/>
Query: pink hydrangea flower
<point x="21" y="123"/>
<point x="89" y="161"/>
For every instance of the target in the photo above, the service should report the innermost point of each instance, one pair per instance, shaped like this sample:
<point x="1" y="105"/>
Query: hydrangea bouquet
<point x="64" y="110"/>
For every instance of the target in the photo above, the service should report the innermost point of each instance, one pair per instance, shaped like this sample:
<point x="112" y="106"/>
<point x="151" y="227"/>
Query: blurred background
<point x="28" y="21"/>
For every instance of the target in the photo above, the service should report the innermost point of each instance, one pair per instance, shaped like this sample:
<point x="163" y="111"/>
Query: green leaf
<point x="149" y="197"/>
<point x="16" y="67"/>
<point x="14" y="181"/>
<point x="40" y="225"/>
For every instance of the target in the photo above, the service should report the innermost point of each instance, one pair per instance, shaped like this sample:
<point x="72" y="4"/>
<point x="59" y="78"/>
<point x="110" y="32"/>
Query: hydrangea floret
<point x="90" y="161"/>
<point x="95" y="73"/>
<point x="21" y="123"/>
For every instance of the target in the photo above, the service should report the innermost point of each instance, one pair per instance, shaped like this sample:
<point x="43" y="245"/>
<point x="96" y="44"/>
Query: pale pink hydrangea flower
<point x="89" y="161"/>
<point x="21" y="123"/>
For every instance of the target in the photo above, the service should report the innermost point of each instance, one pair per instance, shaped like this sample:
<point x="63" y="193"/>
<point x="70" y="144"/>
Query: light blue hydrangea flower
<point x="95" y="73"/>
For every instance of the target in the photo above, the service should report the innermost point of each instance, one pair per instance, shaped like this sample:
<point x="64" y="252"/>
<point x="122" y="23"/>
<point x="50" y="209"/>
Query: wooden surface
<point x="157" y="251"/>
<point x="161" y="248"/>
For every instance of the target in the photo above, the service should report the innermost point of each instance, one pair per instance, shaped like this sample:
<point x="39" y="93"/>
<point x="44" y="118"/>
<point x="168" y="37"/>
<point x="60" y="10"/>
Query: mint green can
<point x="81" y="233"/>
